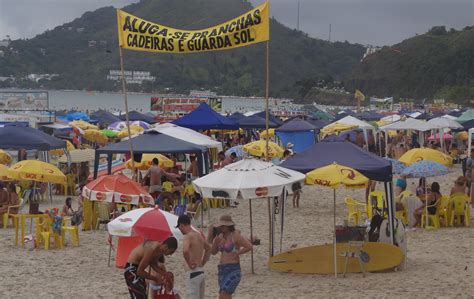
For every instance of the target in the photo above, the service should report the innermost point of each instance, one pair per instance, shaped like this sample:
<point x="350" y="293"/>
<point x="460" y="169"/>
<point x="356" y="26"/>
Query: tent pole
<point x="269" y="228"/>
<point x="251" y="233"/>
<point x="127" y="119"/>
<point x="334" y="236"/>
<point x="267" y="91"/>
<point x="282" y="212"/>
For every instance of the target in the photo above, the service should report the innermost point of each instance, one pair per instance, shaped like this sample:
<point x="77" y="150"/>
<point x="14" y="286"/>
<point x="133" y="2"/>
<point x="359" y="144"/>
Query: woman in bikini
<point x="231" y="244"/>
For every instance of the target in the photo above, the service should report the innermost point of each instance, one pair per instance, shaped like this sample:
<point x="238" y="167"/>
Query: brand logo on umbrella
<point x="220" y="194"/>
<point x="49" y="170"/>
<point x="30" y="176"/>
<point x="349" y="173"/>
<point x="322" y="182"/>
<point x="125" y="198"/>
<point x="261" y="191"/>
<point x="100" y="196"/>
<point x="126" y="220"/>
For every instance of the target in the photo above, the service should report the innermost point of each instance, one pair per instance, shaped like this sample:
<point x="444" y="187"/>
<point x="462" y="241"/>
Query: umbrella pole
<point x="282" y="211"/>
<point x="269" y="229"/>
<point x="426" y="207"/>
<point x="251" y="233"/>
<point x="110" y="251"/>
<point x="334" y="236"/>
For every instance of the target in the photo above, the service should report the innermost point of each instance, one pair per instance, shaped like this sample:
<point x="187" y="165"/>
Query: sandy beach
<point x="440" y="263"/>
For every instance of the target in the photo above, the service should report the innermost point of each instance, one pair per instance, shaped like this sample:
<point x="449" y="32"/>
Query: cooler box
<point x="124" y="247"/>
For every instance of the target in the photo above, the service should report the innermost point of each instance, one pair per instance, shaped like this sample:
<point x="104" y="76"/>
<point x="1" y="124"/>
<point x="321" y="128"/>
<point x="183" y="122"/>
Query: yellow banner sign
<point x="140" y="35"/>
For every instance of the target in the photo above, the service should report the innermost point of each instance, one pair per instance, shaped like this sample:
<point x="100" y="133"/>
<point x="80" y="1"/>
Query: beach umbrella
<point x="4" y="175"/>
<point x="83" y="125"/>
<point x="146" y="162"/>
<point x="336" y="127"/>
<point x="239" y="152"/>
<point x="5" y="157"/>
<point x="250" y="179"/>
<point x="141" y="124"/>
<point x="117" y="126"/>
<point x="334" y="176"/>
<point x="425" y="169"/>
<point x="419" y="154"/>
<point x="258" y="149"/>
<point x="446" y="136"/>
<point x="38" y="171"/>
<point x="109" y="133"/>
<point x="60" y="151"/>
<point x="133" y="131"/>
<point x="397" y="166"/>
<point x="463" y="136"/>
<point x="95" y="136"/>
<point x="264" y="134"/>
<point x="118" y="189"/>
<point x="79" y="156"/>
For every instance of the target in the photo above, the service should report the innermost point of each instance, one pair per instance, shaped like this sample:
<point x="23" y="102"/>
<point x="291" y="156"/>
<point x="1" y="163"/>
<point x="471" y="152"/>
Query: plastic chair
<point x="443" y="210"/>
<point x="72" y="229"/>
<point x="379" y="203"/>
<point x="9" y="215"/>
<point x="354" y="209"/>
<point x="434" y="219"/>
<point x="460" y="208"/>
<point x="44" y="231"/>
<point x="104" y="216"/>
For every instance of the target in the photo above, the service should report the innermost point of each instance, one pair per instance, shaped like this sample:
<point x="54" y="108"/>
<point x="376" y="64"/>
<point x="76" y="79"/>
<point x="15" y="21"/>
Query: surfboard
<point x="319" y="259"/>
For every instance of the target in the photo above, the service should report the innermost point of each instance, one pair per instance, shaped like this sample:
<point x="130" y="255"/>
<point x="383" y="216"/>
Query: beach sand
<point x="440" y="263"/>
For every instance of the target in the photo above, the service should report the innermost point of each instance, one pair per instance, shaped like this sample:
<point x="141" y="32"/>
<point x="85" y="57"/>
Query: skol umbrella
<point x="59" y="152"/>
<point x="264" y="134"/>
<point x="4" y="176"/>
<point x="336" y="128"/>
<point x="141" y="124"/>
<point x="83" y="125"/>
<point x="38" y="171"/>
<point x="419" y="154"/>
<point x="116" y="188"/>
<point x="95" y="136"/>
<point x="258" y="148"/>
<point x="147" y="159"/>
<point x="397" y="166"/>
<point x="334" y="176"/>
<point x="5" y="157"/>
<point x="462" y="136"/>
<point x="133" y="131"/>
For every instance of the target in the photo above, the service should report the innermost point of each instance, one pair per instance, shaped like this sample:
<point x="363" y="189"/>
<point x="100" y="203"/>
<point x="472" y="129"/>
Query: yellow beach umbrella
<point x="145" y="163"/>
<point x="60" y="151"/>
<point x="336" y="128"/>
<point x="38" y="171"/>
<point x="95" y="136"/>
<point x="463" y="136"/>
<point x="4" y="176"/>
<point x="419" y="154"/>
<point x="136" y="128"/>
<point x="124" y="132"/>
<point x="5" y="157"/>
<point x="83" y="125"/>
<point x="264" y="134"/>
<point x="258" y="148"/>
<point x="335" y="176"/>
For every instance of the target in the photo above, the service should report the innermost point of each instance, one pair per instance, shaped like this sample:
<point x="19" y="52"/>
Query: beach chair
<point x="104" y="215"/>
<point x="354" y="210"/>
<point x="375" y="202"/>
<point x="73" y="230"/>
<point x="433" y="219"/>
<point x="443" y="210"/>
<point x="44" y="231"/>
<point x="10" y="212"/>
<point x="460" y="209"/>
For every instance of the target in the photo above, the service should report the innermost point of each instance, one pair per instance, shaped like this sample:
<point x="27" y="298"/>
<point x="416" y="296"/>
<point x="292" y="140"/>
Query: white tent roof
<point x="187" y="135"/>
<point x="391" y="118"/>
<point x="249" y="178"/>
<point x="408" y="124"/>
<point x="415" y="114"/>
<point x="350" y="120"/>
<point x="449" y="116"/>
<point x="444" y="123"/>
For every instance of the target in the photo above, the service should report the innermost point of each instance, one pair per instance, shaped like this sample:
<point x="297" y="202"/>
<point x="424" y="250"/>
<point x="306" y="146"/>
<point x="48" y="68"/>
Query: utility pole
<point x="329" y="39"/>
<point x="298" y="18"/>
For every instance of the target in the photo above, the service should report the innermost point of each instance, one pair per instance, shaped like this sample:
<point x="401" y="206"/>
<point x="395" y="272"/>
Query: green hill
<point x="438" y="64"/>
<point x="65" y="51"/>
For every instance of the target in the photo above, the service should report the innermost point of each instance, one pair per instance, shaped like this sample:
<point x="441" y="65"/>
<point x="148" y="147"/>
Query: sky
<point x="374" y="22"/>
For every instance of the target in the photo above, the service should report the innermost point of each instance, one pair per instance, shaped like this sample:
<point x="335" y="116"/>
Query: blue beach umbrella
<point x="425" y="169"/>
<point x="237" y="150"/>
<point x="397" y="166"/>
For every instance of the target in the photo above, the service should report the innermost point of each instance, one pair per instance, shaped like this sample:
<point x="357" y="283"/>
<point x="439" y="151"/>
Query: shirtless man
<point x="145" y="255"/>
<point x="155" y="173"/>
<point x="196" y="252"/>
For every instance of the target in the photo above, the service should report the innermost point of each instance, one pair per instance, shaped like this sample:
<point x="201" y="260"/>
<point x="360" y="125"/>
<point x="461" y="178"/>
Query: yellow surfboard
<point x="319" y="259"/>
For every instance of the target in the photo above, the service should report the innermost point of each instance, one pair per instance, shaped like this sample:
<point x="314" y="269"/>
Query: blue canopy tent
<point x="72" y="116"/>
<point x="298" y="132"/>
<point x="153" y="142"/>
<point x="335" y="149"/>
<point x="271" y="117"/>
<point x="205" y="118"/>
<point x="318" y="123"/>
<point x="104" y="117"/>
<point x="137" y="116"/>
<point x="255" y="122"/>
<point x="369" y="116"/>
<point x="17" y="138"/>
<point x="236" y="116"/>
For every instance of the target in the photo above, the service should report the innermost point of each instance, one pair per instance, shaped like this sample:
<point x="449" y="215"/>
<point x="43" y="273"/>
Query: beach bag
<point x="374" y="230"/>
<point x="161" y="294"/>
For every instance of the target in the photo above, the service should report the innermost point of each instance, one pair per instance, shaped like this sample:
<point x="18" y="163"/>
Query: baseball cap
<point x="183" y="219"/>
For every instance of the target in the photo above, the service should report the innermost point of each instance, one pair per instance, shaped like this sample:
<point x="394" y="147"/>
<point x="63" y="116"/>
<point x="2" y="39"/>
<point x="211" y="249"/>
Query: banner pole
<point x="124" y="90"/>
<point x="267" y="91"/>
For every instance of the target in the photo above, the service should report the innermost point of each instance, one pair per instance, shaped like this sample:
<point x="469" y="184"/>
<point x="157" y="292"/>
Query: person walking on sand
<point x="231" y="244"/>
<point x="196" y="252"/>
<point x="143" y="256"/>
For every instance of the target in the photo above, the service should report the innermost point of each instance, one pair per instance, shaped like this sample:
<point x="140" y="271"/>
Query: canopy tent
<point x="104" y="117"/>
<point x="467" y="115"/>
<point x="188" y="135"/>
<point x="271" y="117"/>
<point x="72" y="116"/>
<point x="445" y="123"/>
<point x="455" y="113"/>
<point x="27" y="138"/>
<point x="450" y="117"/>
<point x="205" y="118"/>
<point x="153" y="142"/>
<point x="391" y="118"/>
<point x="369" y="116"/>
<point x="468" y="124"/>
<point x="350" y="120"/>
<point x="298" y="132"/>
<point x="255" y="122"/>
<point x="318" y="123"/>
<point x="236" y="116"/>
<point x="321" y="115"/>
<point x="135" y="115"/>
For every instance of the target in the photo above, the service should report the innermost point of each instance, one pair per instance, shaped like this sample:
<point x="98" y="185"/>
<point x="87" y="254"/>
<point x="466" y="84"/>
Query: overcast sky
<point x="376" y="22"/>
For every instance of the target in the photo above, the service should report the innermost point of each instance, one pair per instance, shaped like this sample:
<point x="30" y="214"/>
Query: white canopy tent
<point x="444" y="124"/>
<point x="391" y="118"/>
<point x="350" y="120"/>
<point x="449" y="116"/>
<point x="250" y="179"/>
<point x="187" y="135"/>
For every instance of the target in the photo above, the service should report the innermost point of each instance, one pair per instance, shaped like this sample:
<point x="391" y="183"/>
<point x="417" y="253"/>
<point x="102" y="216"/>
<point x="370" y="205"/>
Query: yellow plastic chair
<point x="167" y="186"/>
<point x="443" y="210"/>
<point x="354" y="210"/>
<point x="378" y="200"/>
<point x="73" y="230"/>
<point x="44" y="231"/>
<point x="460" y="208"/>
<point x="9" y="215"/>
<point x="434" y="219"/>
<point x="104" y="216"/>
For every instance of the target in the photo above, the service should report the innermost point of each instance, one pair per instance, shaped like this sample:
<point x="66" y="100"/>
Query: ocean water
<point x="85" y="100"/>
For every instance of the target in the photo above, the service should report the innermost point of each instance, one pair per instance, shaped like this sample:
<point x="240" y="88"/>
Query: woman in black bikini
<point x="432" y="199"/>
